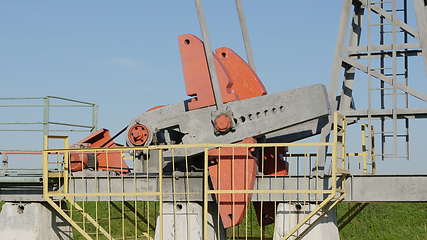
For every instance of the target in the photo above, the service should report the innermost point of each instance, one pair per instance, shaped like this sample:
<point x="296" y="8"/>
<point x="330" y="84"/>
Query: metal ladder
<point x="393" y="64"/>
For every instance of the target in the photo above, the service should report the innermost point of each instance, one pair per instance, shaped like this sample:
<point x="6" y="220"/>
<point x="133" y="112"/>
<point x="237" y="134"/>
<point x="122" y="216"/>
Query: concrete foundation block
<point x="187" y="223"/>
<point x="32" y="221"/>
<point x="289" y="215"/>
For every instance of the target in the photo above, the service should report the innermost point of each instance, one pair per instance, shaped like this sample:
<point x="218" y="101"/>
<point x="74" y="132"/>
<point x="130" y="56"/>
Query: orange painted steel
<point x="196" y="72"/>
<point x="233" y="169"/>
<point x="223" y="123"/>
<point x="237" y="81"/>
<point x="274" y="165"/>
<point x="138" y="134"/>
<point x="106" y="161"/>
<point x="156" y="107"/>
<point x="197" y="79"/>
<point x="245" y="82"/>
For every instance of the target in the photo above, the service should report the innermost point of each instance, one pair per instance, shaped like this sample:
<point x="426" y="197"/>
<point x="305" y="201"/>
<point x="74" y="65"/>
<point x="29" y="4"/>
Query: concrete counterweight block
<point x="289" y="215"/>
<point x="187" y="222"/>
<point x="32" y="221"/>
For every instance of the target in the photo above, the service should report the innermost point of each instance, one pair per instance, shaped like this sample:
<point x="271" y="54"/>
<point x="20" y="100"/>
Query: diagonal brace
<point x="405" y="27"/>
<point x="384" y="78"/>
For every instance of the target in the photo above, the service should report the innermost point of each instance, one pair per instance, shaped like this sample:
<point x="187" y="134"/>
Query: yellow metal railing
<point x="368" y="157"/>
<point x="117" y="205"/>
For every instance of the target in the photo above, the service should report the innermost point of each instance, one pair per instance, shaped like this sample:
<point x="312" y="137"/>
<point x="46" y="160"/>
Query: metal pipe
<point x="21" y="98"/>
<point x="245" y="34"/>
<point x="210" y="58"/>
<point x="70" y="124"/>
<point x="71" y="100"/>
<point x="41" y="105"/>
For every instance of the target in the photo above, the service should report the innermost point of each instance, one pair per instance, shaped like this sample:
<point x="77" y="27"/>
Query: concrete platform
<point x="32" y="221"/>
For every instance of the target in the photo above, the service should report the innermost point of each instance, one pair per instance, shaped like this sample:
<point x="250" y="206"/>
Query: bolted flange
<point x="138" y="134"/>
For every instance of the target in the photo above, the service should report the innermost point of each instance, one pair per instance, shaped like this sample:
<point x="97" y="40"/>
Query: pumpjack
<point x="248" y="115"/>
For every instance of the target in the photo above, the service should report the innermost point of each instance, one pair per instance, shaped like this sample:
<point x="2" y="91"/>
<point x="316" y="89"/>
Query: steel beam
<point x="384" y="47"/>
<point x="387" y="188"/>
<point x="385" y="113"/>
<point x="358" y="188"/>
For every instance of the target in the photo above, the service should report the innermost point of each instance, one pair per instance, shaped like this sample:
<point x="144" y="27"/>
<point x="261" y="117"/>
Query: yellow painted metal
<point x="206" y="194"/>
<point x="113" y="219"/>
<point x="272" y="191"/>
<point x="45" y="167"/>
<point x="372" y="153"/>
<point x="55" y="174"/>
<point x="309" y="216"/>
<point x="66" y="169"/>
<point x="161" y="193"/>
<point x="111" y="194"/>
<point x="368" y="152"/>
<point x="338" y="140"/>
<point x="364" y="148"/>
<point x="91" y="220"/>
<point x="322" y="213"/>
<point x="189" y="146"/>
<point x="68" y="219"/>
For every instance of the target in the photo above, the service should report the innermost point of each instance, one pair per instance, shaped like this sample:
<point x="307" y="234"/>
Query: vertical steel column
<point x="382" y="85"/>
<point x="332" y="90"/>
<point x="336" y="67"/>
<point x="394" y="73"/>
<point x="420" y="7"/>
<point x="349" y="73"/>
<point x="369" y="64"/>
<point x="406" y="74"/>
<point x="45" y="119"/>
<point x="94" y="117"/>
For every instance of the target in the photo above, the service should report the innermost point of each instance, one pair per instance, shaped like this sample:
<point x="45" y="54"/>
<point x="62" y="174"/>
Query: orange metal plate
<point x="232" y="169"/>
<point x="107" y="160"/>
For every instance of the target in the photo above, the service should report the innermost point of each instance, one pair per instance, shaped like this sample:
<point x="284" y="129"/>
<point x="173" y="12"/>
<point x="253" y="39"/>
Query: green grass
<point x="385" y="221"/>
<point x="122" y="216"/>
<point x="123" y="222"/>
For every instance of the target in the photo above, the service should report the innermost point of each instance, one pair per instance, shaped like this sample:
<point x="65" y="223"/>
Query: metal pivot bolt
<point x="223" y="123"/>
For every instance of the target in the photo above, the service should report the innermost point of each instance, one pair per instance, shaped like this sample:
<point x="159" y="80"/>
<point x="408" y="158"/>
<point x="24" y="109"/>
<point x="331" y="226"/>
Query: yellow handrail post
<point x="45" y="167"/>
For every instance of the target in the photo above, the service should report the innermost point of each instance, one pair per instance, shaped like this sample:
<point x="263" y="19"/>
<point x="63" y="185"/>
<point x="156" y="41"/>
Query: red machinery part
<point x="223" y="123"/>
<point x="138" y="134"/>
<point x="154" y="108"/>
<point x="233" y="169"/>
<point x="104" y="160"/>
<point x="237" y="81"/>
<point x="274" y="165"/>
<point x="236" y="78"/>
<point x="246" y="83"/>
<point x="196" y="74"/>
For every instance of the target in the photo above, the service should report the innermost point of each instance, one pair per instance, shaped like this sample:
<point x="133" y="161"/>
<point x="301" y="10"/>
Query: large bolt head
<point x="223" y="123"/>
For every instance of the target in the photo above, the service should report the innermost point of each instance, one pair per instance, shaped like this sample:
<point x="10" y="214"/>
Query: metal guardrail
<point x="113" y="210"/>
<point x="44" y="125"/>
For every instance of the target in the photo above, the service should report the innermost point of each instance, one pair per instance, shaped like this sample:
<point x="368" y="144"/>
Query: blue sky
<point x="123" y="55"/>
